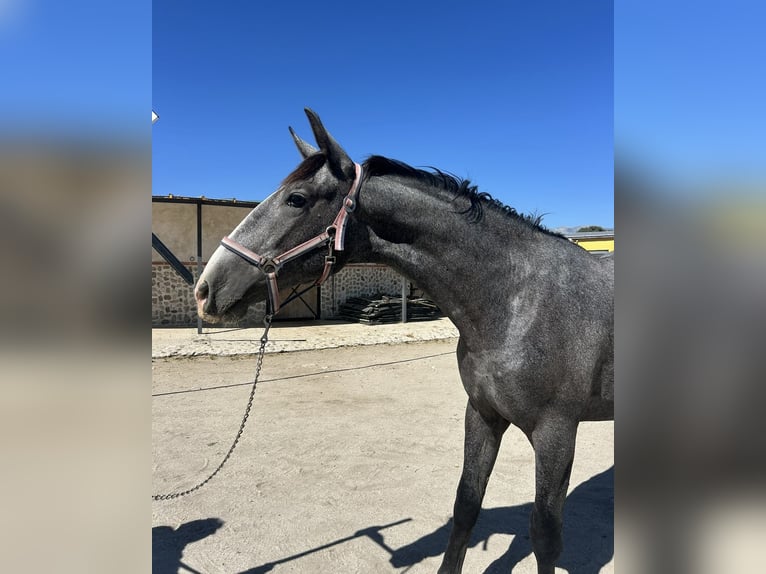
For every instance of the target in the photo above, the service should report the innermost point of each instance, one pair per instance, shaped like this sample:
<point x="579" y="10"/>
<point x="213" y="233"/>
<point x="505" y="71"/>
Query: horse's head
<point x="307" y="205"/>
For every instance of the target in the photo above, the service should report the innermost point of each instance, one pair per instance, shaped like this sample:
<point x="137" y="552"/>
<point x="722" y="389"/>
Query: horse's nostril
<point x="202" y="291"/>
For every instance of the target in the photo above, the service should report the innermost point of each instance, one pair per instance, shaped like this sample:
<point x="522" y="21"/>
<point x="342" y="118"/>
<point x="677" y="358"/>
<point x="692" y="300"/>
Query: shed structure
<point x="185" y="233"/>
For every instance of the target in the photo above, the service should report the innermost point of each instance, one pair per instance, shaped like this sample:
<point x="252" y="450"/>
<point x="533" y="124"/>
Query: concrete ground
<point x="349" y="461"/>
<point x="293" y="336"/>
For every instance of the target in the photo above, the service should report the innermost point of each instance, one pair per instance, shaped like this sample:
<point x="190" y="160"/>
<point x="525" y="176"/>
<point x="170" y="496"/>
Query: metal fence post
<point x="199" y="258"/>
<point x="404" y="300"/>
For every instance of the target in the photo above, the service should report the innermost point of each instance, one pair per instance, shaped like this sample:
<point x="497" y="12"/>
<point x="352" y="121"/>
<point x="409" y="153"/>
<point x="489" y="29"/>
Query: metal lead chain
<point x="259" y="364"/>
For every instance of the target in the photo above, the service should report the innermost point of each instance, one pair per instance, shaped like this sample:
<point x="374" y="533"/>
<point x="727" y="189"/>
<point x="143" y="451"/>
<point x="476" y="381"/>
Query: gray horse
<point x="534" y="311"/>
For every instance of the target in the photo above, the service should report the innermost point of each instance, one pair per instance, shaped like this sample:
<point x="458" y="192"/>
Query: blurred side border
<point x="75" y="218"/>
<point x="690" y="316"/>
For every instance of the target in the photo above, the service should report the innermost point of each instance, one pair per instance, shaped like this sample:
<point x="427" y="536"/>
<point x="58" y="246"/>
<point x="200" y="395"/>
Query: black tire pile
<point x="378" y="309"/>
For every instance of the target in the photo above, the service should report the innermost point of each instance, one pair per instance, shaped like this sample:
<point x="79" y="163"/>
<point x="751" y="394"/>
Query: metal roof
<point x="203" y="201"/>
<point x="591" y="235"/>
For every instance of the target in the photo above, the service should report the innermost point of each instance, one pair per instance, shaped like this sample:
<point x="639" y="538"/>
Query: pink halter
<point x="333" y="237"/>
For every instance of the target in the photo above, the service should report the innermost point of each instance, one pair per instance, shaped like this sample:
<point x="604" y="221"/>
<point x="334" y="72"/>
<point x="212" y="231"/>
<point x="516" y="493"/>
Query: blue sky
<point x="516" y="96"/>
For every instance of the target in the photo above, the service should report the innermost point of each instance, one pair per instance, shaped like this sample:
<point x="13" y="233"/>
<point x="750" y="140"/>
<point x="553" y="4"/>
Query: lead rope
<point x="259" y="364"/>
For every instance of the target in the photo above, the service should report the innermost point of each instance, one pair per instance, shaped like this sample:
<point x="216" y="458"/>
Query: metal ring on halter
<point x="269" y="267"/>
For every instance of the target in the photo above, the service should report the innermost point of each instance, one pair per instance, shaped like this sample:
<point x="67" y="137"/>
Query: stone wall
<point x="173" y="300"/>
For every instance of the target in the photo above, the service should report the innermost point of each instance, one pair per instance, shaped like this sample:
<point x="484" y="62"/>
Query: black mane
<point x="377" y="165"/>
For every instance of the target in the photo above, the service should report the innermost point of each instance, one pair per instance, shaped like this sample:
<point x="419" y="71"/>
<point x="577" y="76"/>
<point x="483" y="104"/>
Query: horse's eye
<point x="296" y="200"/>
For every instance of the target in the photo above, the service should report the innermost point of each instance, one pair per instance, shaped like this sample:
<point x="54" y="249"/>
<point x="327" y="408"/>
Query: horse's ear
<point x="340" y="163"/>
<point x="304" y="147"/>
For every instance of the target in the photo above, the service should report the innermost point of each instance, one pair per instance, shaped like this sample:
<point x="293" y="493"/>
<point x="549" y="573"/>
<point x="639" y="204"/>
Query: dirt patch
<point x="349" y="463"/>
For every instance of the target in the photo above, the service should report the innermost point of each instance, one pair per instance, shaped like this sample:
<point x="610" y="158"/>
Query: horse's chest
<point x="496" y="384"/>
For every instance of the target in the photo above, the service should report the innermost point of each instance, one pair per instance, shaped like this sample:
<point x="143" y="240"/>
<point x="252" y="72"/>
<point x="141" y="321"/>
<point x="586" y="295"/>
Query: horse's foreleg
<point x="482" y="441"/>
<point x="554" y="442"/>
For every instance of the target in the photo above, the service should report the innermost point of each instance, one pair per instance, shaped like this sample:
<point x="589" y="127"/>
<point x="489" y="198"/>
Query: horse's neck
<point x="462" y="265"/>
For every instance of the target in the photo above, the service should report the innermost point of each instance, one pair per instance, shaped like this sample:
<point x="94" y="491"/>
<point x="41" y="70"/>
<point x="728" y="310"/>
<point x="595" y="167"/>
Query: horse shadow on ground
<point x="588" y="534"/>
<point x="168" y="544"/>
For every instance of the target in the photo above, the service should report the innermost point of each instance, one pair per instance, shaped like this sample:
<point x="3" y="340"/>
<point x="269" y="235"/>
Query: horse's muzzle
<point x="204" y="303"/>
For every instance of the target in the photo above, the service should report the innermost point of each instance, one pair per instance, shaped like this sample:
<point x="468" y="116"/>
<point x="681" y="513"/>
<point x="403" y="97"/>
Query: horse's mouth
<point x="233" y="313"/>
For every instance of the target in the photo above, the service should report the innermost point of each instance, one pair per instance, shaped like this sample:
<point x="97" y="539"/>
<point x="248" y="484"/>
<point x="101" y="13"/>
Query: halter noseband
<point x="333" y="237"/>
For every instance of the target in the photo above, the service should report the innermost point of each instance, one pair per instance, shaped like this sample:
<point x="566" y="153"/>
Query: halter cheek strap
<point x="333" y="237"/>
<point x="348" y="207"/>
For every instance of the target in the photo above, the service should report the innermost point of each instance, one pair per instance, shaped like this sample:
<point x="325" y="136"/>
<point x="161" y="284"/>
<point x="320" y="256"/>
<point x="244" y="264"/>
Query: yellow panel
<point x="596" y="244"/>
